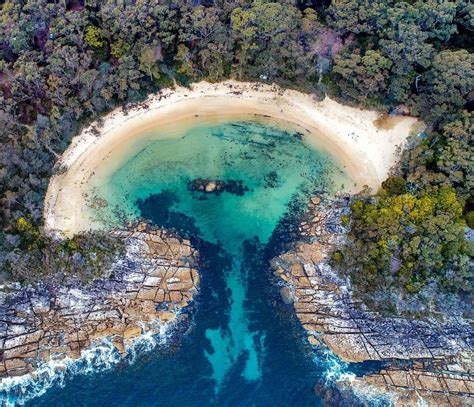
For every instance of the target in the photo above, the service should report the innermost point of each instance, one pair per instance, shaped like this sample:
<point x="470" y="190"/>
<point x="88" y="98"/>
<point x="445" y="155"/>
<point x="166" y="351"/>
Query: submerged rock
<point x="217" y="186"/>
<point x="287" y="295"/>
<point x="271" y="179"/>
<point x="325" y="306"/>
<point x="151" y="285"/>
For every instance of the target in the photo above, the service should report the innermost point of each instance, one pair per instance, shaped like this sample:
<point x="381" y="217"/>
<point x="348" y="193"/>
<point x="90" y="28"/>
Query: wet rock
<point x="99" y="203"/>
<point x="217" y="186"/>
<point x="147" y="290"/>
<point x="313" y="340"/>
<point x="325" y="307"/>
<point x="287" y="294"/>
<point x="315" y="200"/>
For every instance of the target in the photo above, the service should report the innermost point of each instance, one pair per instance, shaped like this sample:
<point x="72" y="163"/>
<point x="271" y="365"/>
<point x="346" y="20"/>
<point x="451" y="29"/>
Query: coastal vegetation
<point x="42" y="257"/>
<point x="404" y="243"/>
<point x="406" y="250"/>
<point x="63" y="64"/>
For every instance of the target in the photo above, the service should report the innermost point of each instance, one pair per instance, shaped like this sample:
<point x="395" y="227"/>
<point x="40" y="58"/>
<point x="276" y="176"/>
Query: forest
<point x="65" y="63"/>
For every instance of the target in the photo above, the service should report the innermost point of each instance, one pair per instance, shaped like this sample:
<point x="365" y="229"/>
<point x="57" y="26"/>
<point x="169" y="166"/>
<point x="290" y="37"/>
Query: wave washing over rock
<point x="422" y="361"/>
<point x="100" y="357"/>
<point x="49" y="332"/>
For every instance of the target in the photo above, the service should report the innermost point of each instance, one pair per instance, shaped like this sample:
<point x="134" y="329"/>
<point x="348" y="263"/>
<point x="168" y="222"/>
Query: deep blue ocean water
<point x="244" y="347"/>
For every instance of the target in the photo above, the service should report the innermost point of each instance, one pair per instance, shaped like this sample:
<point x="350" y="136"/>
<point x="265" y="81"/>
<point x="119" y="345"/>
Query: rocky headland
<point x="424" y="361"/>
<point x="150" y="286"/>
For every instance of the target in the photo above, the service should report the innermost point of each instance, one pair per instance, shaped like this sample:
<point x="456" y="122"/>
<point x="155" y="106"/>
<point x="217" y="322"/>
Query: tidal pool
<point x="245" y="348"/>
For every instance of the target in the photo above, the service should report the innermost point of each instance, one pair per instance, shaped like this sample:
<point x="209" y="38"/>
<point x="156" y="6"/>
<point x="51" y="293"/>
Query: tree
<point x="455" y="155"/>
<point x="119" y="48"/>
<point x="357" y="16"/>
<point x="403" y="41"/>
<point x="148" y="61"/>
<point x="395" y="185"/>
<point x="363" y="77"/>
<point x="465" y="14"/>
<point x="207" y="42"/>
<point x="437" y="18"/>
<point x="403" y="242"/>
<point x="445" y="87"/>
<point x="94" y="37"/>
<point x="267" y="41"/>
<point x="186" y="66"/>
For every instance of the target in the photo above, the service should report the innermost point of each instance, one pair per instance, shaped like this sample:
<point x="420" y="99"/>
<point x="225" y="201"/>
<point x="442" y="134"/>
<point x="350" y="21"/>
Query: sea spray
<point x="335" y="369"/>
<point x="100" y="357"/>
<point x="337" y="373"/>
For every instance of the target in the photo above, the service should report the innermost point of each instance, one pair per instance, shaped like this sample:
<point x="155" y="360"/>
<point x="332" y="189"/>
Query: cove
<point x="245" y="347"/>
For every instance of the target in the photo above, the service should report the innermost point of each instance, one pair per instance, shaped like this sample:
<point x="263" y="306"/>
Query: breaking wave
<point x="337" y="373"/>
<point x="101" y="357"/>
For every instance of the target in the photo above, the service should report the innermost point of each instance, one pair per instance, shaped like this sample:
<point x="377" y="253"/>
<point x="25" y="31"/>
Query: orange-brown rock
<point x="147" y="289"/>
<point x="325" y="307"/>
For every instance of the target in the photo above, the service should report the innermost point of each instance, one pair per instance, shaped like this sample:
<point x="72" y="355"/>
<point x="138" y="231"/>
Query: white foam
<point x="336" y="371"/>
<point x="101" y="357"/>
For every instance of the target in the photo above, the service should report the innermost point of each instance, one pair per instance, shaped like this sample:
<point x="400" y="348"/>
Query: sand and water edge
<point x="352" y="137"/>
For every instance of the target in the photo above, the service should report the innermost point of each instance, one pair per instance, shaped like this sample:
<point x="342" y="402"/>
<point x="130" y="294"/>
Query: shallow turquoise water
<point x="273" y="163"/>
<point x="245" y="347"/>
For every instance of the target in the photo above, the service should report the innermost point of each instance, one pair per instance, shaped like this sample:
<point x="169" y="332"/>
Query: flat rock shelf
<point x="424" y="361"/>
<point x="150" y="288"/>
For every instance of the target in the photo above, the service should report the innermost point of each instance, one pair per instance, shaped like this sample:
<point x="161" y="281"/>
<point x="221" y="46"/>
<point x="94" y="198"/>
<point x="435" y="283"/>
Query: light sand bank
<point x="366" y="152"/>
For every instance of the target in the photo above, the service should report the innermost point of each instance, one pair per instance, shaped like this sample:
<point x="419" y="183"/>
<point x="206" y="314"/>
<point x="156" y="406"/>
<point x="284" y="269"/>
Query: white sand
<point x="350" y="135"/>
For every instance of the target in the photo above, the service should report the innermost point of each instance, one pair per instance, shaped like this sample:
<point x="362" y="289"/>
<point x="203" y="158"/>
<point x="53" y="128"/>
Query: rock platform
<point x="424" y="360"/>
<point x="151" y="285"/>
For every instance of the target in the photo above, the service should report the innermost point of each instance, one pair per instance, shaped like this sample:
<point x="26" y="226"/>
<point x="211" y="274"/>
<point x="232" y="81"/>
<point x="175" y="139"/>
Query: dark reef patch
<point x="217" y="187"/>
<point x="158" y="209"/>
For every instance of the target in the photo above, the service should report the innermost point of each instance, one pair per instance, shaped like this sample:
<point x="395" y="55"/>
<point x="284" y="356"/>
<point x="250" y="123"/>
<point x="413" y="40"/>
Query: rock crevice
<point x="150" y="285"/>
<point x="324" y="304"/>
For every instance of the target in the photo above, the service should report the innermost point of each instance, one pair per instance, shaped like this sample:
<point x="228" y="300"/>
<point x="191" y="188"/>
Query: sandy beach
<point x="355" y="139"/>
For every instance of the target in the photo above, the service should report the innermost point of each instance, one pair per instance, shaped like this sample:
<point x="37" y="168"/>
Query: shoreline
<point x="424" y="361"/>
<point x="350" y="135"/>
<point x="54" y="322"/>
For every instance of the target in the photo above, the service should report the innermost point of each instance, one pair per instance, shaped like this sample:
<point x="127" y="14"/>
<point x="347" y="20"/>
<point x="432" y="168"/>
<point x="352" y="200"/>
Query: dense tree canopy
<point x="363" y="75"/>
<point x="403" y="242"/>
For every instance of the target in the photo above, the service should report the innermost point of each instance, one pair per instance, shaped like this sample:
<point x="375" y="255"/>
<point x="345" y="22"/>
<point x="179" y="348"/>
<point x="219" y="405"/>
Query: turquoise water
<point x="271" y="162"/>
<point x="245" y="347"/>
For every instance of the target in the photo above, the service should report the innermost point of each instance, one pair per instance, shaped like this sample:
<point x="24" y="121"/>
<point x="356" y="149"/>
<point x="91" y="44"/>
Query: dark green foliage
<point x="445" y="158"/>
<point x="413" y="65"/>
<point x="266" y="37"/>
<point x="363" y="77"/>
<point x="469" y="217"/>
<point x="395" y="185"/>
<point x="33" y="256"/>
<point x="444" y="88"/>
